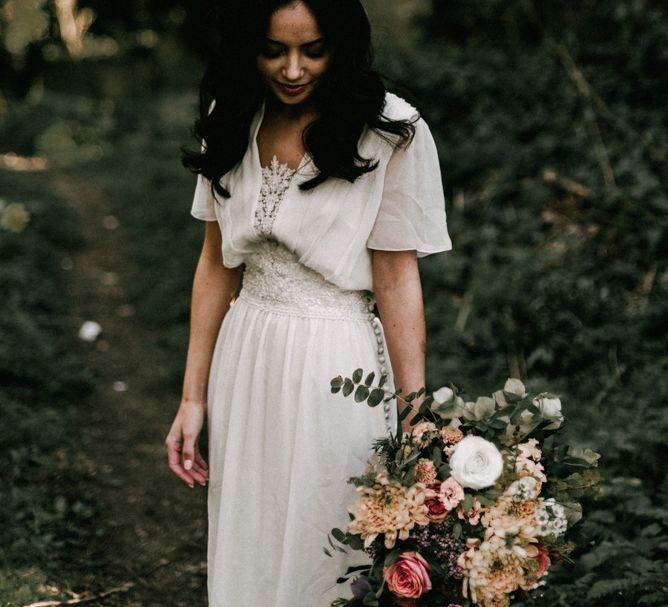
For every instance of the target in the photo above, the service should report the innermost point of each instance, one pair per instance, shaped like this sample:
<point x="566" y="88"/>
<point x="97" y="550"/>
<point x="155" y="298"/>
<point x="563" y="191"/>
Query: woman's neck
<point x="288" y="112"/>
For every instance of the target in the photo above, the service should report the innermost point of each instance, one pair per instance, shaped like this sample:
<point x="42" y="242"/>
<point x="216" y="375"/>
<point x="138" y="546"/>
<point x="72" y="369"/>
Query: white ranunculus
<point x="443" y="395"/>
<point x="514" y="389"/>
<point x="550" y="409"/>
<point x="476" y="463"/>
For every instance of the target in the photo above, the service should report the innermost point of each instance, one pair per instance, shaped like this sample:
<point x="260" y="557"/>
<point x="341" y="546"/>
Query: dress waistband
<point x="275" y="280"/>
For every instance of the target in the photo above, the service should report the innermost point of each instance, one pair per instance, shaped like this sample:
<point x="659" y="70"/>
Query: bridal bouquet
<point x="471" y="507"/>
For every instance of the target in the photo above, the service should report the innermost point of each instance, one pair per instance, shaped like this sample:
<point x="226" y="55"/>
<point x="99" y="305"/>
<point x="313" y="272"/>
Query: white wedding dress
<point x="281" y="445"/>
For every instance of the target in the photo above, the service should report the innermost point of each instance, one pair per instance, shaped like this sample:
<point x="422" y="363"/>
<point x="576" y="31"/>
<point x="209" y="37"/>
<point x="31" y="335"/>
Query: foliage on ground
<point x="47" y="526"/>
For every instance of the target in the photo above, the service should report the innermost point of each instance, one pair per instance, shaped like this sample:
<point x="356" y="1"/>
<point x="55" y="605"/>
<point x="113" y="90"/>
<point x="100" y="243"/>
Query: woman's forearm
<point x="214" y="287"/>
<point x="398" y="292"/>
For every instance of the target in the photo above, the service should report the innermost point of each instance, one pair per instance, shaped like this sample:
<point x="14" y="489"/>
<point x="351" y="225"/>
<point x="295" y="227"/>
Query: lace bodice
<point x="276" y="180"/>
<point x="274" y="280"/>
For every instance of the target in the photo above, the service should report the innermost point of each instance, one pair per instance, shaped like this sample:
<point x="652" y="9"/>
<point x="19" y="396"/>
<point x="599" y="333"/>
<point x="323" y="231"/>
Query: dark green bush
<point x="553" y="137"/>
<point x="43" y="519"/>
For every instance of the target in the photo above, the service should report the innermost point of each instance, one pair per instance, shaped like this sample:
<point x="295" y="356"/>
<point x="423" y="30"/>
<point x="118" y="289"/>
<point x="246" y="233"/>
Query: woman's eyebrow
<point x="321" y="39"/>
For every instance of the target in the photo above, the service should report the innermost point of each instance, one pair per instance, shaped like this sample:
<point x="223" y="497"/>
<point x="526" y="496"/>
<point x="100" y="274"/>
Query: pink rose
<point x="451" y="493"/>
<point x="408" y="576"/>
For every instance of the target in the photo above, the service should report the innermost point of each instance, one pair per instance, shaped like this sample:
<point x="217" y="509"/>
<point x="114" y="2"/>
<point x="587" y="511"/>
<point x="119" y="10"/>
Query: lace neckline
<point x="276" y="179"/>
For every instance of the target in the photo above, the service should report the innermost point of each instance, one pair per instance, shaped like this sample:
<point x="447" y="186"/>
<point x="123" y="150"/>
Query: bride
<point x="319" y="190"/>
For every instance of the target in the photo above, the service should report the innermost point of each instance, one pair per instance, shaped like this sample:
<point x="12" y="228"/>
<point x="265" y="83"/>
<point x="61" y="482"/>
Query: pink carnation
<point x="451" y="493"/>
<point x="472" y="517"/>
<point x="408" y="576"/>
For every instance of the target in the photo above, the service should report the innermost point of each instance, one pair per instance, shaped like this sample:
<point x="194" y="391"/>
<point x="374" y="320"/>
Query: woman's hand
<point x="182" y="444"/>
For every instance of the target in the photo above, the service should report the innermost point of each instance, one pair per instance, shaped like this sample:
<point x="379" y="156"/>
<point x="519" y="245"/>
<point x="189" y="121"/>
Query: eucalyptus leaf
<point x="348" y="387"/>
<point x="375" y="397"/>
<point x="573" y="512"/>
<point x="361" y="393"/>
<point x="355" y="542"/>
<point x="404" y="413"/>
<point x="369" y="379"/>
<point x="586" y="454"/>
<point x="357" y="375"/>
<point x="339" y="535"/>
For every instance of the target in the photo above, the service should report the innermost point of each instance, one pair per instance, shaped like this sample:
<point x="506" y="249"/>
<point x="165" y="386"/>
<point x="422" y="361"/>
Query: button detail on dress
<point x="375" y="323"/>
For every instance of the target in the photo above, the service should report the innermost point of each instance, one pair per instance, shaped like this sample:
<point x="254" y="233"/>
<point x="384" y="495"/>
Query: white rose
<point x="476" y="463"/>
<point x="443" y="395"/>
<point x="550" y="409"/>
<point x="514" y="389"/>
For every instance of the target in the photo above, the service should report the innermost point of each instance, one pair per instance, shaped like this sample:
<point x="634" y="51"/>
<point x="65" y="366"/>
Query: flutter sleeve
<point x="412" y="209"/>
<point x="203" y="206"/>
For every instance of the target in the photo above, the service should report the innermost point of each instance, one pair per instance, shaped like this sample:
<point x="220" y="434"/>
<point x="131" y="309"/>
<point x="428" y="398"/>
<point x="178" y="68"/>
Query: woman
<point x="327" y="189"/>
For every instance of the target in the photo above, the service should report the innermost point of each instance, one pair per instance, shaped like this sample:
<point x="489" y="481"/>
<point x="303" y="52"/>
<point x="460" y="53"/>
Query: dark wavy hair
<point x="349" y="96"/>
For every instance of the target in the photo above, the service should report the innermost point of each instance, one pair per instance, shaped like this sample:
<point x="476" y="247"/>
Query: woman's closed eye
<point x="314" y="52"/>
<point x="272" y="51"/>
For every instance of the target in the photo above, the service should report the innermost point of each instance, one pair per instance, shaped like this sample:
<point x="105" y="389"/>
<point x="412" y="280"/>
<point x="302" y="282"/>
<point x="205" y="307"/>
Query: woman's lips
<point x="292" y="89"/>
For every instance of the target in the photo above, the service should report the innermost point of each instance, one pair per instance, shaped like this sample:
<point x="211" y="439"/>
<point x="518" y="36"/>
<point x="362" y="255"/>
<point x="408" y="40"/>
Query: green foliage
<point x="553" y="137"/>
<point x="45" y="521"/>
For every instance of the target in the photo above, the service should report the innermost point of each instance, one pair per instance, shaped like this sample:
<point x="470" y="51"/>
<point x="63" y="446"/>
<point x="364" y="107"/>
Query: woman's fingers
<point x="174" y="459"/>
<point x="183" y="453"/>
<point x="191" y="460"/>
<point x="200" y="461"/>
<point x="201" y="475"/>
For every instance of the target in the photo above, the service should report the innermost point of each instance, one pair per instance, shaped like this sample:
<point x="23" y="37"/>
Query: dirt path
<point x="158" y="524"/>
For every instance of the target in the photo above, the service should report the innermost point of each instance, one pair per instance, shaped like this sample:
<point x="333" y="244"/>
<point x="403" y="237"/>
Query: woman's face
<point x="294" y="55"/>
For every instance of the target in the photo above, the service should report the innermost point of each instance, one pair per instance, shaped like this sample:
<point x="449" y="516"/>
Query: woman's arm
<point x="398" y="292"/>
<point x="214" y="287"/>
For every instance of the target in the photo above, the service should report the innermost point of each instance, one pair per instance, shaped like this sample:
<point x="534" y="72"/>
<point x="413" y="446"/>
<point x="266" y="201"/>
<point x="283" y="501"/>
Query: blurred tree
<point x="35" y="33"/>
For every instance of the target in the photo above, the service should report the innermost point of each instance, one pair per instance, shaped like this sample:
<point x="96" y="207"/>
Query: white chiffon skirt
<point x="281" y="445"/>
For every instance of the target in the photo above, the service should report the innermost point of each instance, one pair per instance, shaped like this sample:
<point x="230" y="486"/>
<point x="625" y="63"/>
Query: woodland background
<point x="551" y="122"/>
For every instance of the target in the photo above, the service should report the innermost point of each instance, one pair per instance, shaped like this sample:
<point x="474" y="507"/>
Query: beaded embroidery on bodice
<point x="276" y="180"/>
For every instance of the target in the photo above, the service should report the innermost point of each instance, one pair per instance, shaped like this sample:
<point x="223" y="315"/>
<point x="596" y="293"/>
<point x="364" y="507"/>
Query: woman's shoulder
<point x="397" y="108"/>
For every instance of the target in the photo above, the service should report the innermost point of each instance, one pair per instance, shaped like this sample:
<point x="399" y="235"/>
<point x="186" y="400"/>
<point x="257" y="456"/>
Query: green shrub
<point x="44" y="520"/>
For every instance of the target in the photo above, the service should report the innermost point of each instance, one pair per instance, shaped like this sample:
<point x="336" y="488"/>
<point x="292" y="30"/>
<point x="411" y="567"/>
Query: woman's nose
<point x="293" y="69"/>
